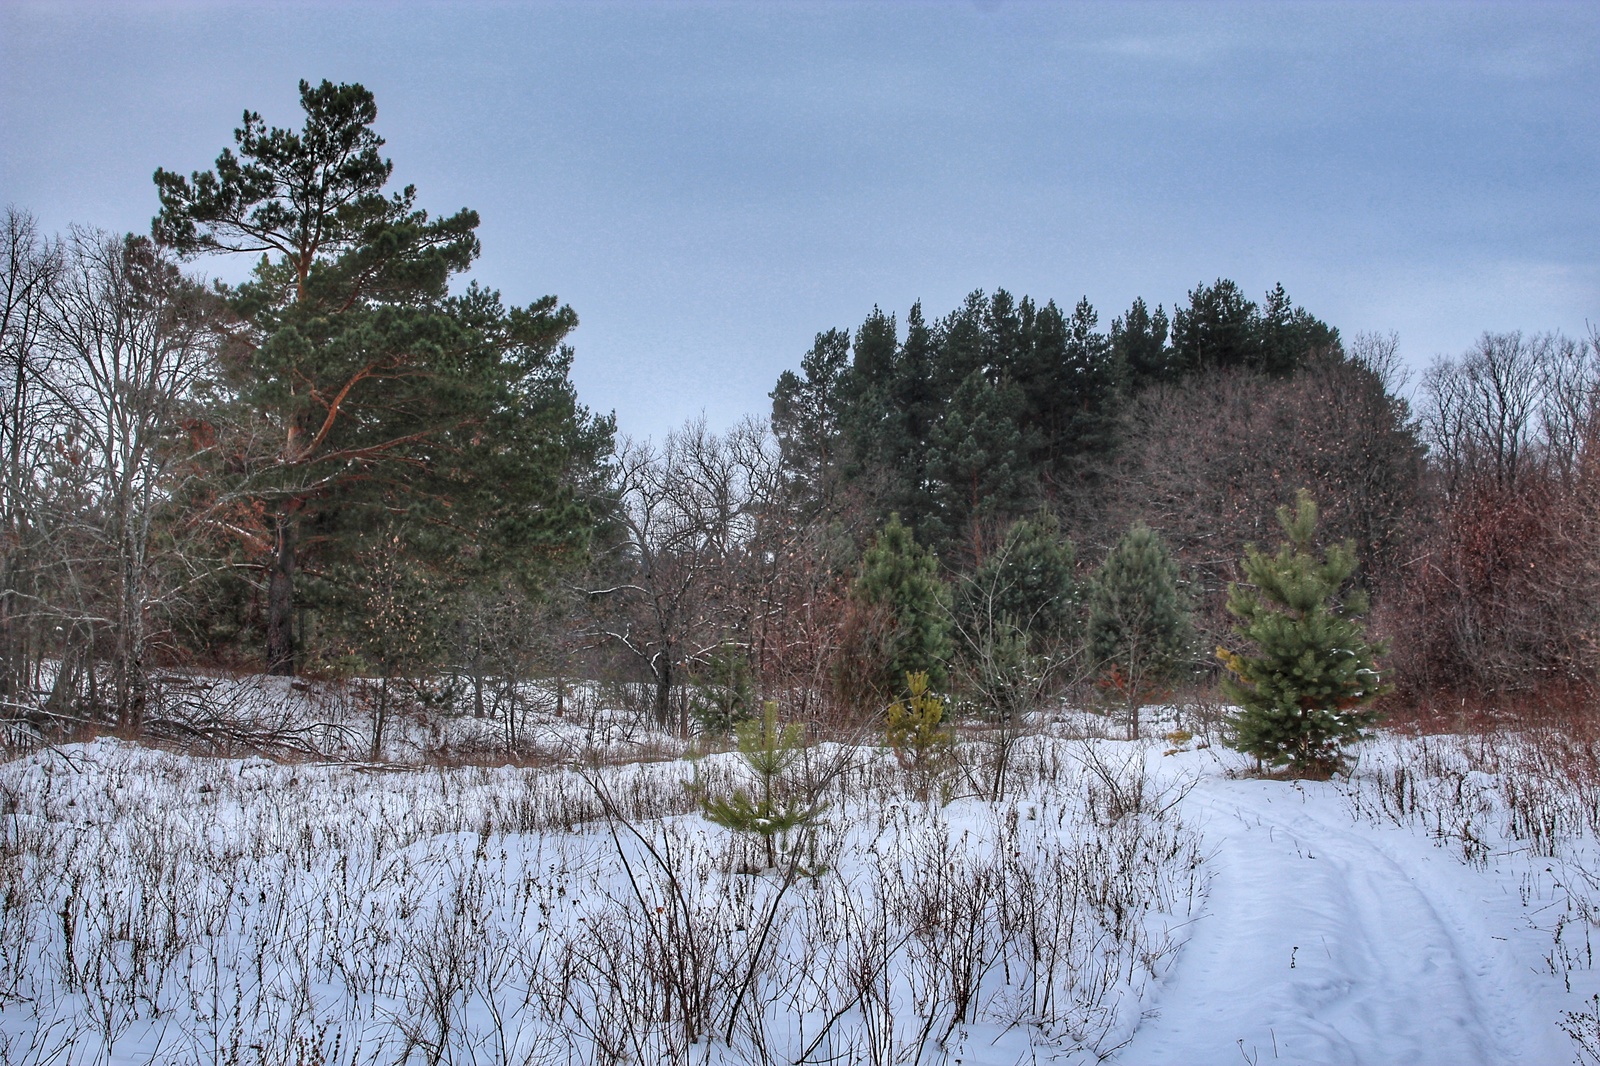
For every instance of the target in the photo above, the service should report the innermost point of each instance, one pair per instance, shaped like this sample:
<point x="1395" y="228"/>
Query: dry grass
<point x="175" y="909"/>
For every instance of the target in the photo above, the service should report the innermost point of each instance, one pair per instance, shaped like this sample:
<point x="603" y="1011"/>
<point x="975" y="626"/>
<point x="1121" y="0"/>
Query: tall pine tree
<point x="806" y="417"/>
<point x="1015" y="615"/>
<point x="1030" y="582"/>
<point x="1139" y="346"/>
<point x="371" y="386"/>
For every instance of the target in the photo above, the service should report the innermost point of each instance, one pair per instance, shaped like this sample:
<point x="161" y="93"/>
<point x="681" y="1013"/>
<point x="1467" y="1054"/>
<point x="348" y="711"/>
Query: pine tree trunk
<point x="280" y="601"/>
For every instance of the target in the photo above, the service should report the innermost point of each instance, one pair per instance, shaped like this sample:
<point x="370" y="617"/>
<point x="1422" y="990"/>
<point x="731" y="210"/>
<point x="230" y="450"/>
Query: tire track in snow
<point x="1318" y="946"/>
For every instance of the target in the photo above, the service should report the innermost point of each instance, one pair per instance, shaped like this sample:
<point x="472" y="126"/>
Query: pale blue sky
<point x="710" y="185"/>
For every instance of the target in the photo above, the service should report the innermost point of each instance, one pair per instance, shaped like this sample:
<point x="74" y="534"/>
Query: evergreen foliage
<point x="772" y="809"/>
<point x="1016" y="618"/>
<point x="1307" y="690"/>
<point x="724" y="694"/>
<point x="1221" y="329"/>
<point x="979" y="461"/>
<point x="1291" y="337"/>
<point x="964" y="424"/>
<point x="1139" y="628"/>
<point x="806" y="413"/>
<point x="369" y="389"/>
<point x="1071" y="398"/>
<point x="1216" y="330"/>
<point x="912" y="408"/>
<point x="916" y="729"/>
<point x="1030" y="581"/>
<point x="1139" y="346"/>
<point x="900" y="581"/>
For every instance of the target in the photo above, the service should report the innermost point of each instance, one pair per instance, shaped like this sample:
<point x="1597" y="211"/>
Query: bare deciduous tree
<point x="28" y="264"/>
<point x="1501" y="595"/>
<point x="1209" y="463"/>
<point x="105" y="343"/>
<point x="1481" y="413"/>
<point x="686" y="519"/>
<point x="132" y="341"/>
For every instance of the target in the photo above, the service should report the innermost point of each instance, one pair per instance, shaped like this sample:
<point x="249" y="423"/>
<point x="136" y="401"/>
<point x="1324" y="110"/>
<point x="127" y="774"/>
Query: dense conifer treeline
<point x="1004" y="406"/>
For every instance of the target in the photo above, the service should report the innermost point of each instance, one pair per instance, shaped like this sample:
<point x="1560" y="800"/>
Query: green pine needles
<point x="918" y="734"/>
<point x="1307" y="690"/>
<point x="724" y="692"/>
<point x="1139" y="629"/>
<point x="900" y="579"/>
<point x="773" y="808"/>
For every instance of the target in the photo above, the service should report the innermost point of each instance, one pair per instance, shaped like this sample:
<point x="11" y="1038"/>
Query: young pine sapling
<point x="917" y="732"/>
<point x="774" y="806"/>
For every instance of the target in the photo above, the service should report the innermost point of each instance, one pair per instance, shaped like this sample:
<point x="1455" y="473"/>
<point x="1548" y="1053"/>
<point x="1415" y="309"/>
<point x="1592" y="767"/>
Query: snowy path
<point x="1322" y="943"/>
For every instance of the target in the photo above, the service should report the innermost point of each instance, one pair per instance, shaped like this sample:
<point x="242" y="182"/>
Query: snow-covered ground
<point x="1138" y="903"/>
<point x="1329" y="940"/>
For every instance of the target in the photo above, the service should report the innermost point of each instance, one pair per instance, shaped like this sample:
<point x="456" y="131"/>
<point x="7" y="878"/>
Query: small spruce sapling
<point x="917" y="732"/>
<point x="773" y="808"/>
<point x="1308" y="689"/>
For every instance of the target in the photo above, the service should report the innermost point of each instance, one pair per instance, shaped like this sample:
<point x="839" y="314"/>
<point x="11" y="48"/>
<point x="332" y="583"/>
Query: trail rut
<point x="1319" y="945"/>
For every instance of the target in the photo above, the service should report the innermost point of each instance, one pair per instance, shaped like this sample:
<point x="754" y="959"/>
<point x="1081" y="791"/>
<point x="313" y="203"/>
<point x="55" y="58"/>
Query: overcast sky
<point x="711" y="185"/>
